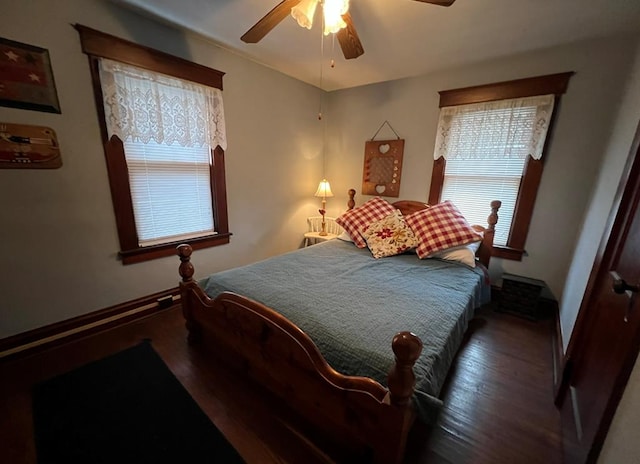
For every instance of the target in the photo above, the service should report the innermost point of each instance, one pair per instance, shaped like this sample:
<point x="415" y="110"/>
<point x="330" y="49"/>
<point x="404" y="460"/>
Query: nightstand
<point x="311" y="238"/>
<point x="521" y="296"/>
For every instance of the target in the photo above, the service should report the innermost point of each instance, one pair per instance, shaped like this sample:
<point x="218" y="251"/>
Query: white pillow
<point x="345" y="236"/>
<point x="465" y="254"/>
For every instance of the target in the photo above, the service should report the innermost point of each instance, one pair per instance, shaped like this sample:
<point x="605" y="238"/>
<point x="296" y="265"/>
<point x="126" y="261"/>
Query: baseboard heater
<point x="67" y="330"/>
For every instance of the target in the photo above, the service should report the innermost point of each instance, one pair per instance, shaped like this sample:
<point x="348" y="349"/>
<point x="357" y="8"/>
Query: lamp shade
<point x="304" y="11"/>
<point x="333" y="11"/>
<point x="324" y="189"/>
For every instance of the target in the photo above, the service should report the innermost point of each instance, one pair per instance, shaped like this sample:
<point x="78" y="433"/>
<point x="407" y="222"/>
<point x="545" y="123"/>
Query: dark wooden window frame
<point x="98" y="45"/>
<point x="555" y="84"/>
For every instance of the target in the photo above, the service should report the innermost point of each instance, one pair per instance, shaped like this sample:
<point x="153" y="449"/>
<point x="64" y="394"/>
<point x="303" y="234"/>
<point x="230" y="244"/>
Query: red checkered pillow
<point x="356" y="220"/>
<point x="440" y="227"/>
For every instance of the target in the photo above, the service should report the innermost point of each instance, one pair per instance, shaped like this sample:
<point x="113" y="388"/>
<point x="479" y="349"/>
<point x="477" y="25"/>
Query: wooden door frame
<point x="614" y="235"/>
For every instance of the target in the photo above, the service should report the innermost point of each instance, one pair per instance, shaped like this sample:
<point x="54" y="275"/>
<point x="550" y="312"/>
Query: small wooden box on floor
<point x="521" y="296"/>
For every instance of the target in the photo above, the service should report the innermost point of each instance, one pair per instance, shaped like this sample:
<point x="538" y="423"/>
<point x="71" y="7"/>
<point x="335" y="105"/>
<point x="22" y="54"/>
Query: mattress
<point x="351" y="305"/>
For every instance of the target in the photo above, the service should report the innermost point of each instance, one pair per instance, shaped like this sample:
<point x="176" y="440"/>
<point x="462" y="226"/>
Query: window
<point x="163" y="129"/>
<point x="489" y="146"/>
<point x="170" y="191"/>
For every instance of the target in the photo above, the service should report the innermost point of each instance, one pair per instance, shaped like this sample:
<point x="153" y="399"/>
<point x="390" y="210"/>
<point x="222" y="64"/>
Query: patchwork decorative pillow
<point x="465" y="254"/>
<point x="440" y="227"/>
<point x="389" y="236"/>
<point x="356" y="220"/>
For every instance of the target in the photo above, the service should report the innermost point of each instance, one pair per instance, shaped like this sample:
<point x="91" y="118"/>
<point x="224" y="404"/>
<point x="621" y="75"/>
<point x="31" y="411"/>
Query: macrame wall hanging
<point x="382" y="169"/>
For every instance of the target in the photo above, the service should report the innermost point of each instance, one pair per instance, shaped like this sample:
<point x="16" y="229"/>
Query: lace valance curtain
<point x="500" y="129"/>
<point x="144" y="106"/>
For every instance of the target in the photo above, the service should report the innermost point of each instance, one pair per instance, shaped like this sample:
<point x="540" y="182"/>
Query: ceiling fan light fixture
<point x="304" y="11"/>
<point x="333" y="11"/>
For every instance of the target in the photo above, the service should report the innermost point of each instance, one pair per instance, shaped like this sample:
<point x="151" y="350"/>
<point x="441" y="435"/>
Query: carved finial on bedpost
<point x="401" y="380"/>
<point x="493" y="217"/>
<point x="351" y="203"/>
<point x="186" y="268"/>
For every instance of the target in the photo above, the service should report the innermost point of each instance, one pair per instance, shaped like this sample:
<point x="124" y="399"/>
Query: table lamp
<point x="324" y="191"/>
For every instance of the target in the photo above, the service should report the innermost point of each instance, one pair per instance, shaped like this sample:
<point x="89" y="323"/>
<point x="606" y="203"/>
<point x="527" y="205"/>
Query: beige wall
<point x="605" y="186"/>
<point x="584" y="123"/>
<point x="58" y="240"/>
<point x="622" y="445"/>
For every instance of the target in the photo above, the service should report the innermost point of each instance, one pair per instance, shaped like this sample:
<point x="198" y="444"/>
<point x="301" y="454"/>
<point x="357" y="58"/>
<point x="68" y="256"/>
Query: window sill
<point x="139" y="255"/>
<point x="505" y="252"/>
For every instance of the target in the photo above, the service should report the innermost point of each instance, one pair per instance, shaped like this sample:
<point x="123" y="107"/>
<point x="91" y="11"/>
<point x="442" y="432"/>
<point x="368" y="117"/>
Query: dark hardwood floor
<point x="498" y="399"/>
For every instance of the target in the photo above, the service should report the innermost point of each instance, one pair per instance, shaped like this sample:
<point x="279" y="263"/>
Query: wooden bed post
<point x="492" y="220"/>
<point x="486" y="250"/>
<point x="351" y="203"/>
<point x="186" y="271"/>
<point x="401" y="381"/>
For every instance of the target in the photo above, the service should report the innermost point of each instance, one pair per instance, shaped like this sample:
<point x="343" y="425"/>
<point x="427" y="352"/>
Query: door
<point x="605" y="341"/>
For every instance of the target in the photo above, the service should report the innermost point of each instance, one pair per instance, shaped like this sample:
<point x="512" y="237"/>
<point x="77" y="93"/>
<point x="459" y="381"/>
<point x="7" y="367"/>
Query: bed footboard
<point x="355" y="413"/>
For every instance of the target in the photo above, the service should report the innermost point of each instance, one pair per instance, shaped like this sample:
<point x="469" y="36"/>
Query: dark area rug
<point x="126" y="408"/>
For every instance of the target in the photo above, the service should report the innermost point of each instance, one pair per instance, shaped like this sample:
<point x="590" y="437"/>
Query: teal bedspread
<point x="351" y="305"/>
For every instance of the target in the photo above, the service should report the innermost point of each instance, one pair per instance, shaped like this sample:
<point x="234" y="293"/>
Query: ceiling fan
<point x="347" y="35"/>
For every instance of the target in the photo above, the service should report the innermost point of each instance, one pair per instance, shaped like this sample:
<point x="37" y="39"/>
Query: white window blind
<point x="486" y="147"/>
<point x="168" y="127"/>
<point x="472" y="184"/>
<point x="171" y="191"/>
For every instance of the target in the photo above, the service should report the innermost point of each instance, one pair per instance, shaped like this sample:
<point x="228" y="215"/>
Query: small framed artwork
<point x="28" y="147"/>
<point x="26" y="78"/>
<point x="382" y="170"/>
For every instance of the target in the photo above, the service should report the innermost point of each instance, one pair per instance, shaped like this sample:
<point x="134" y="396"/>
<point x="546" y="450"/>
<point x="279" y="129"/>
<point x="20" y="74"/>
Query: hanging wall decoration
<point x="382" y="169"/>
<point x="26" y="78"/>
<point x="24" y="146"/>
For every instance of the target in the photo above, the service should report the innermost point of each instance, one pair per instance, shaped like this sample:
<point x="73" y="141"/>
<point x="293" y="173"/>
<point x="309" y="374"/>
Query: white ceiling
<point x="401" y="38"/>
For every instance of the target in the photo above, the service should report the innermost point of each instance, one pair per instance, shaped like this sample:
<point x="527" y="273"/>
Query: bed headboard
<point x="484" y="251"/>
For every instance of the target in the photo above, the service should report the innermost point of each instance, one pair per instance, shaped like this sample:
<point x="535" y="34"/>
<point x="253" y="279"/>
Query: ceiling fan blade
<point x="438" y="2"/>
<point x="349" y="40"/>
<point x="269" y="21"/>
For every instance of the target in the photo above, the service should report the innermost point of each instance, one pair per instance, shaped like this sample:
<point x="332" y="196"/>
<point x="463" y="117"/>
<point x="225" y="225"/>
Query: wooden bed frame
<point x="356" y="414"/>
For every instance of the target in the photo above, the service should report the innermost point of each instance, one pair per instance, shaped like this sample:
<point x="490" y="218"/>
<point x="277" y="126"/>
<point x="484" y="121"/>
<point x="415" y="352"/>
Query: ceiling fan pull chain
<point x="321" y="63"/>
<point x="333" y="50"/>
<point x="381" y="126"/>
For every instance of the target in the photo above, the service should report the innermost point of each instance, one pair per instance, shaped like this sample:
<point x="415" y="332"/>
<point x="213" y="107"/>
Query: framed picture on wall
<point x="28" y="147"/>
<point x="26" y="77"/>
<point x="382" y="170"/>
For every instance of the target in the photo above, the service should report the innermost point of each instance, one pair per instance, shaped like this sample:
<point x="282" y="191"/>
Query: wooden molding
<point x="555" y="84"/>
<point x="437" y="179"/>
<point x="121" y="193"/>
<point x="525" y="202"/>
<point x="219" y="192"/>
<point x="138" y="255"/>
<point x="558" y="352"/>
<point x="96" y="43"/>
<point x="505" y="252"/>
<point x="52" y="335"/>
